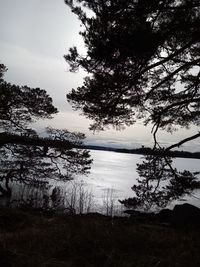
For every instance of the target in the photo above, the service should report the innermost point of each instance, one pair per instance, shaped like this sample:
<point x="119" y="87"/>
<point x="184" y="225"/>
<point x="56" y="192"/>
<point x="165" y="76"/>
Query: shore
<point x="33" y="238"/>
<point x="146" y="151"/>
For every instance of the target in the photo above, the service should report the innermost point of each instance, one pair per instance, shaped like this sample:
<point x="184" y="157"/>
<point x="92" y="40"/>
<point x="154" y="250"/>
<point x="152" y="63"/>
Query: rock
<point x="185" y="214"/>
<point x="142" y="217"/>
<point x="132" y="212"/>
<point x="96" y="215"/>
<point x="165" y="215"/>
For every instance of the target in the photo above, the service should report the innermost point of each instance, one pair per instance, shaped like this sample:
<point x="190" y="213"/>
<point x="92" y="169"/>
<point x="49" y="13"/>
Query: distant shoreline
<point x="145" y="151"/>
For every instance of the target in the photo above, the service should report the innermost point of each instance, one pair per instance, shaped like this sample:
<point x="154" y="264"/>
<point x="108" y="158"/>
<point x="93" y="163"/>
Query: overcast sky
<point x="34" y="36"/>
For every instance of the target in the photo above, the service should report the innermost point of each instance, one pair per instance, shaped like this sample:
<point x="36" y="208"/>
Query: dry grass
<point x="32" y="239"/>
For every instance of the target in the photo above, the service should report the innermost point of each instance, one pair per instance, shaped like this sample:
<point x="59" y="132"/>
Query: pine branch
<point x="6" y="138"/>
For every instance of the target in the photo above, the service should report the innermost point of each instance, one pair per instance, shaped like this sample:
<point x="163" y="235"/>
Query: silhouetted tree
<point x="25" y="157"/>
<point x="143" y="58"/>
<point x="160" y="183"/>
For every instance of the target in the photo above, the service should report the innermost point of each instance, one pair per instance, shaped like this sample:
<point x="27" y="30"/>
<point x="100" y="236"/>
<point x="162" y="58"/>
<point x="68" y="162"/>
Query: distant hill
<point x="146" y="151"/>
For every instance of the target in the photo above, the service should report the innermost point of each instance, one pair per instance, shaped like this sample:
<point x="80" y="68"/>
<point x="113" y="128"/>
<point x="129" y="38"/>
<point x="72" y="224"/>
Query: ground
<point x="37" y="239"/>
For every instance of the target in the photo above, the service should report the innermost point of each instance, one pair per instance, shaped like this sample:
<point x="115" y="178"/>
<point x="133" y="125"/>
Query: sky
<point x="34" y="37"/>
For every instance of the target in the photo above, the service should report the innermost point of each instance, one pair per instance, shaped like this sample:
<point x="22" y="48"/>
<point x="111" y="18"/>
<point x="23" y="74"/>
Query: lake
<point x="111" y="177"/>
<point x="117" y="172"/>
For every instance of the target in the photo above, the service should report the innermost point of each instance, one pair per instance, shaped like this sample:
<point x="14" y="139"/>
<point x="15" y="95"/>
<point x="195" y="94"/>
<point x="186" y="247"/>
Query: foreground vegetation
<point x="33" y="238"/>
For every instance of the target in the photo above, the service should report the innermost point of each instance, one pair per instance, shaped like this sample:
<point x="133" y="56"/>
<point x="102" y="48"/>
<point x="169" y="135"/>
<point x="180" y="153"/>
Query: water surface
<point x="117" y="171"/>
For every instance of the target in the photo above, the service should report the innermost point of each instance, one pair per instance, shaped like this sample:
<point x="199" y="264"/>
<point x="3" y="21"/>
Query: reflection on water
<point x="117" y="171"/>
<point x="111" y="178"/>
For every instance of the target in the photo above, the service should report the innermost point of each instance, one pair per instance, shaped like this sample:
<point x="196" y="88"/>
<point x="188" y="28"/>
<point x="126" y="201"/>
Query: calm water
<point x="117" y="171"/>
<point x="111" y="177"/>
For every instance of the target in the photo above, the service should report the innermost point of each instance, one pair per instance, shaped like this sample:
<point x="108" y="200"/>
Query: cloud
<point x="35" y="70"/>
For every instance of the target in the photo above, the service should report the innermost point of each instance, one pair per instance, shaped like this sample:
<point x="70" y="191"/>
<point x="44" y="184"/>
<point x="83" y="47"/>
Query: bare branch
<point x="182" y="142"/>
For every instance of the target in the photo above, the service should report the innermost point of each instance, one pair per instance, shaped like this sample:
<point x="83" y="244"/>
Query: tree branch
<point x="171" y="75"/>
<point x="182" y="142"/>
<point x="187" y="101"/>
<point x="171" y="56"/>
<point x="6" y="138"/>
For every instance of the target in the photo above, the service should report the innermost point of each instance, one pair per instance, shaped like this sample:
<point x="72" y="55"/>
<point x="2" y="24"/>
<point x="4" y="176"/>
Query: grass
<point x="33" y="239"/>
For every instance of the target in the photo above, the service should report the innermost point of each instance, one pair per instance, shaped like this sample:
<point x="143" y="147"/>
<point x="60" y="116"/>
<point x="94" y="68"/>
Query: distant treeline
<point x="6" y="138"/>
<point x="146" y="151"/>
